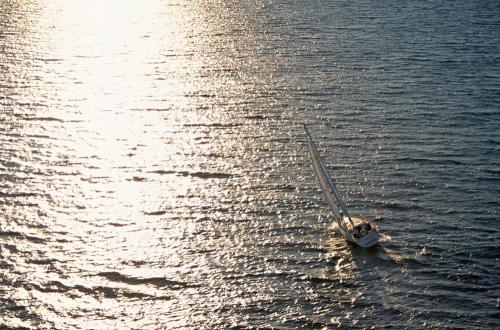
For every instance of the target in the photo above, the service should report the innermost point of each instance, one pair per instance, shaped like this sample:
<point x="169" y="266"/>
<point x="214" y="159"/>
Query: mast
<point x="326" y="183"/>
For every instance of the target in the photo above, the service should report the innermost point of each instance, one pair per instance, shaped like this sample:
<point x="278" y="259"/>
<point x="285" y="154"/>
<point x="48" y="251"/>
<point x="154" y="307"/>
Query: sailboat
<point x="364" y="234"/>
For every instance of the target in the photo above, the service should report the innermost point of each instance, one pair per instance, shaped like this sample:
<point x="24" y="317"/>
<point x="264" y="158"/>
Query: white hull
<point x="369" y="240"/>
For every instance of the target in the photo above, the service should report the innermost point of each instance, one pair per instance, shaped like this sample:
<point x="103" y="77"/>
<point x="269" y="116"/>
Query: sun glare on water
<point x="117" y="76"/>
<point x="111" y="56"/>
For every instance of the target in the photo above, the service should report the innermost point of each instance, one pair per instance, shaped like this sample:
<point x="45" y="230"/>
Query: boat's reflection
<point x="379" y="270"/>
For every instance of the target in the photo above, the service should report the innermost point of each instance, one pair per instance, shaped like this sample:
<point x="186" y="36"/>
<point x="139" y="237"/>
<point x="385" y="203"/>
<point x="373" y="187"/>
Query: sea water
<point x="154" y="171"/>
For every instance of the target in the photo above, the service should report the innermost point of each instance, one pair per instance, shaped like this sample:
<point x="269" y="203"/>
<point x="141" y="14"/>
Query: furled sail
<point x="329" y="190"/>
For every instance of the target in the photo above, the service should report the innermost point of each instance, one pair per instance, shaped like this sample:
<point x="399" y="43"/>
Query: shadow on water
<point x="391" y="295"/>
<point x="383" y="289"/>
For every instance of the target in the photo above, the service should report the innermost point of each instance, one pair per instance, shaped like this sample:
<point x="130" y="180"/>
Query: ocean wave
<point x="155" y="281"/>
<point x="201" y="175"/>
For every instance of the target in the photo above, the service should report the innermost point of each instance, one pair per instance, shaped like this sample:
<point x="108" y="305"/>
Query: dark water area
<point x="154" y="172"/>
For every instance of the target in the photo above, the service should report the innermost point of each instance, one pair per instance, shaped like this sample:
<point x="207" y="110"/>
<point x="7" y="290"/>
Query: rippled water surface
<point x="154" y="171"/>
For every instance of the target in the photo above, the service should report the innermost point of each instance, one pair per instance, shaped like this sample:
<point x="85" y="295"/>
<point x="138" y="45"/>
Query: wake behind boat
<point x="364" y="233"/>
